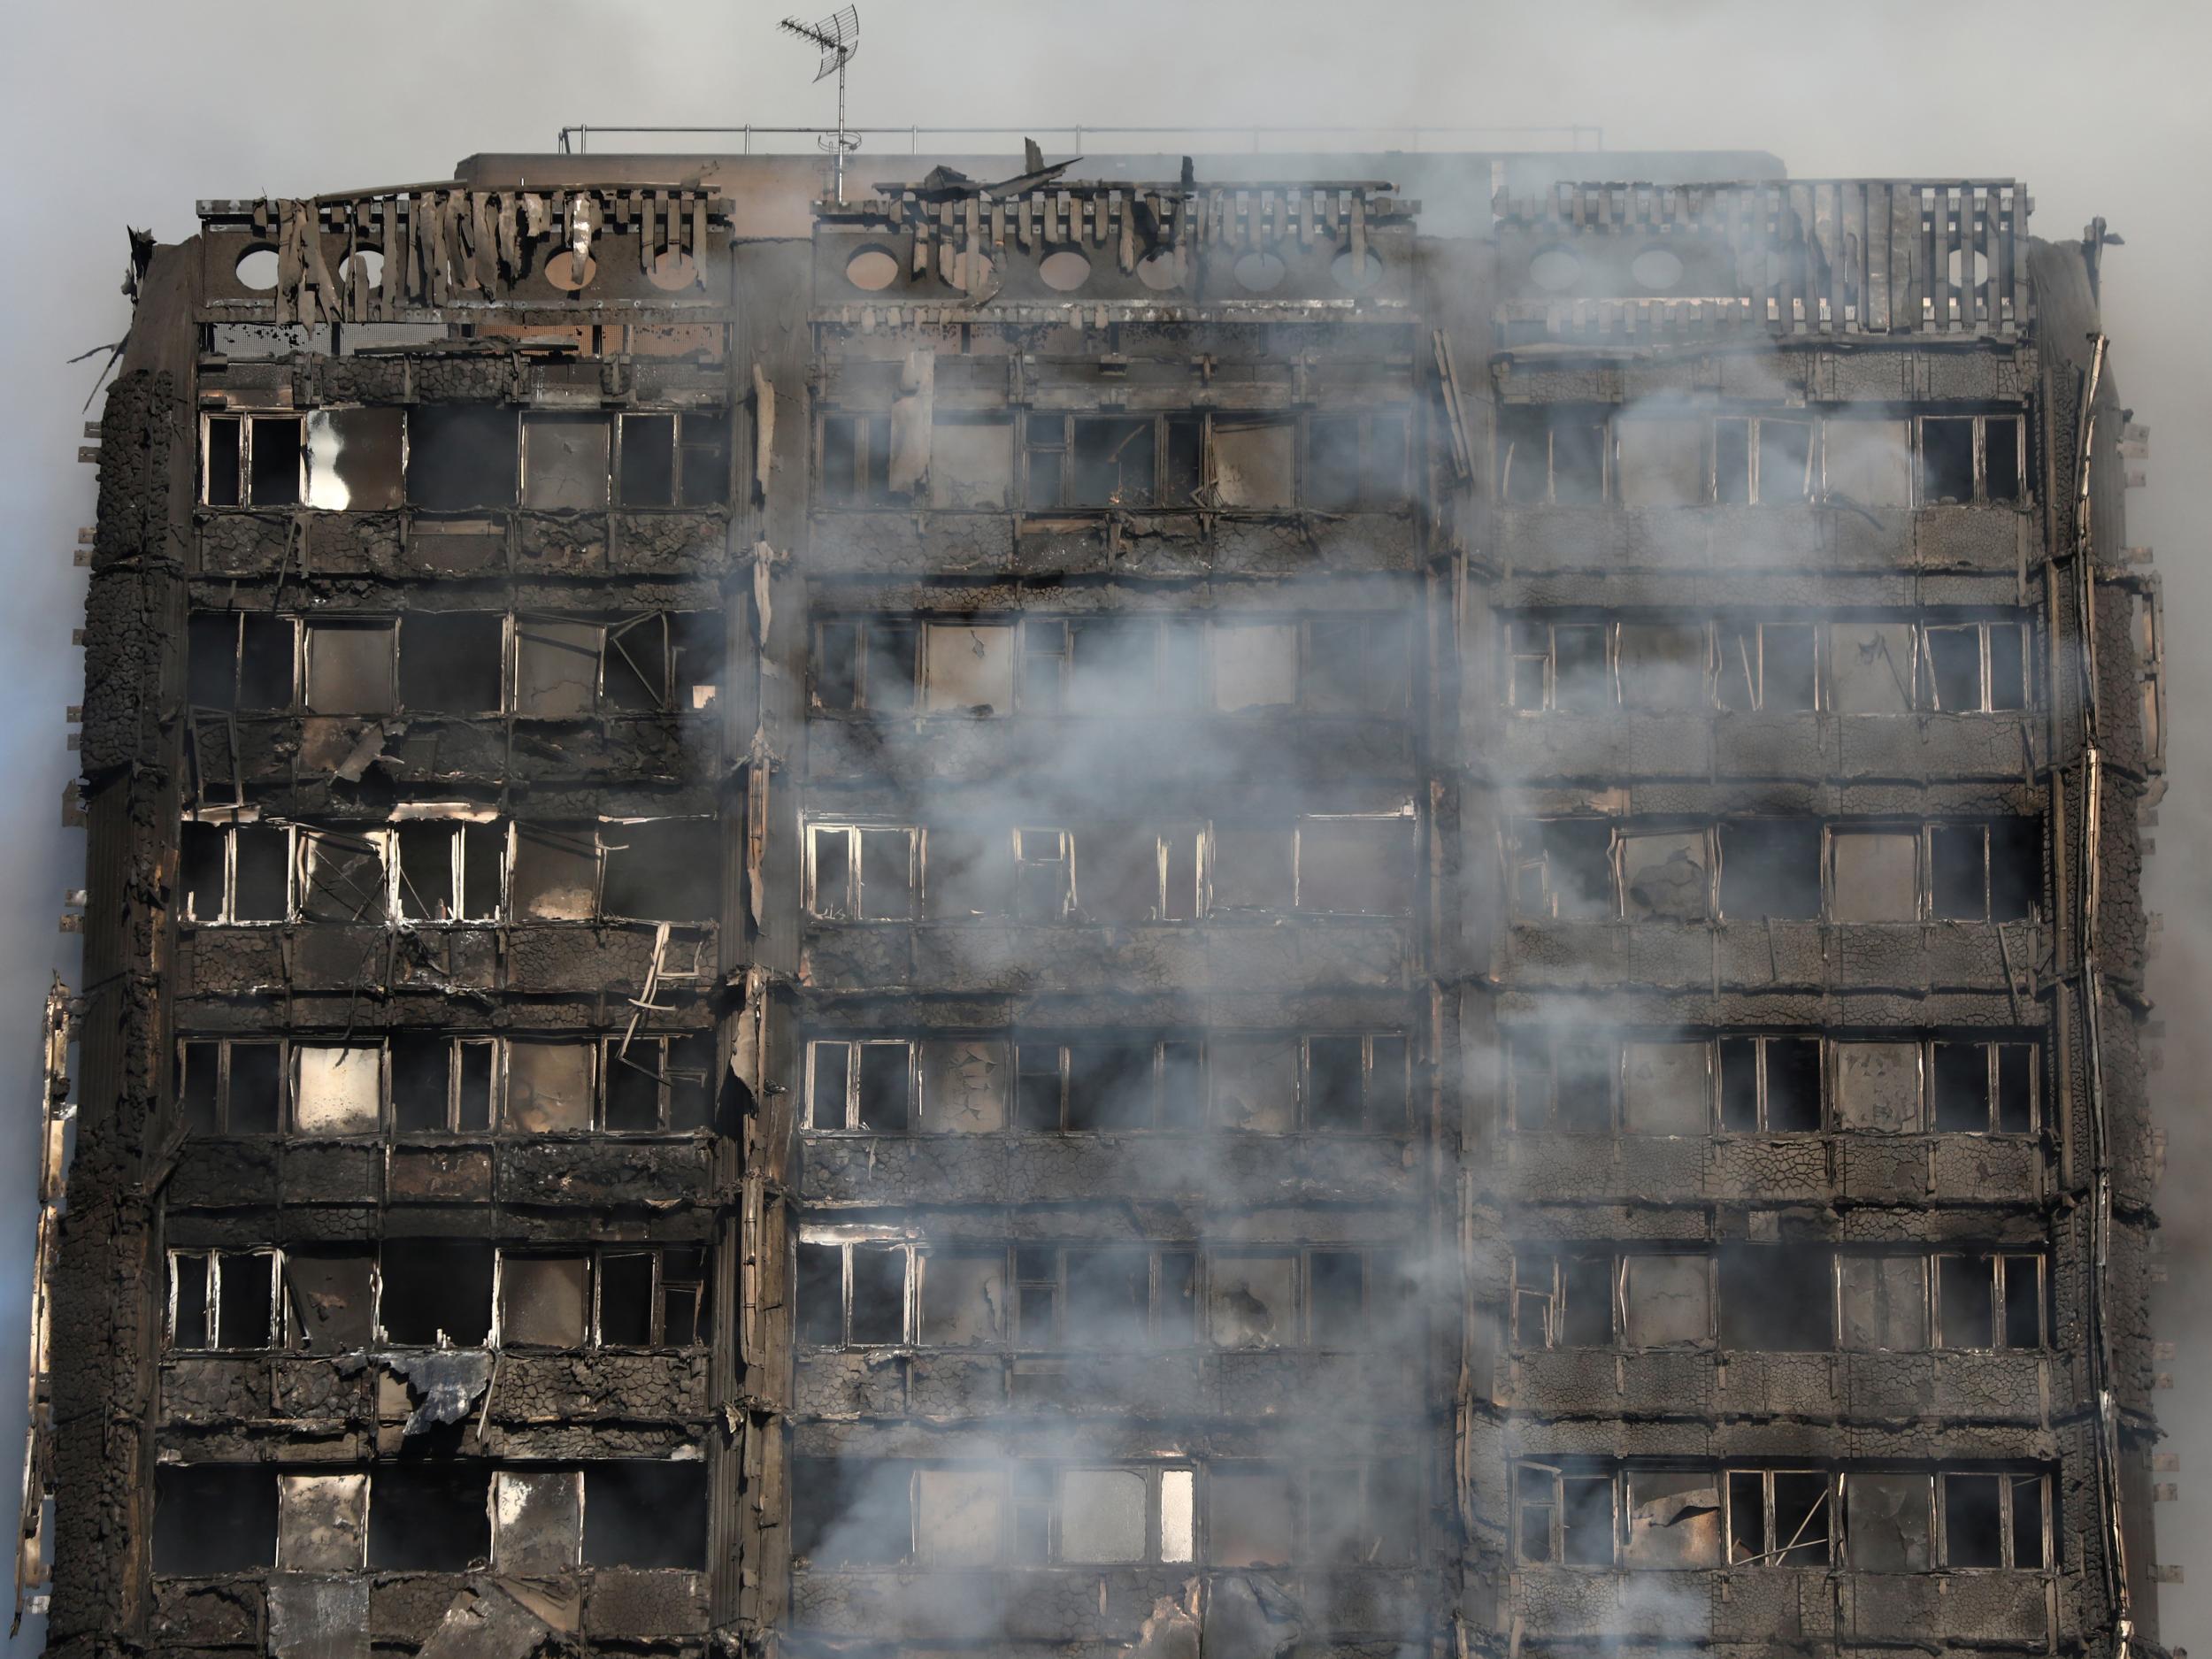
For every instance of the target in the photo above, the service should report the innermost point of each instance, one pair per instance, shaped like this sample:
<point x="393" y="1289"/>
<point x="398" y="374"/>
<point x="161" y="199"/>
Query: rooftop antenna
<point x="837" y="36"/>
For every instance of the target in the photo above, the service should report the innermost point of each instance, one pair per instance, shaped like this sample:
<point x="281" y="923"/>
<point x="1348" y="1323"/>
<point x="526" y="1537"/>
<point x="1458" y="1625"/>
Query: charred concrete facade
<point x="1182" y="912"/>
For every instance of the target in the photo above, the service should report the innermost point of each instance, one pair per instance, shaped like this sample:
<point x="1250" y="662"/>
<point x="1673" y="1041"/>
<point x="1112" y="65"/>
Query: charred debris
<point x="1183" y="913"/>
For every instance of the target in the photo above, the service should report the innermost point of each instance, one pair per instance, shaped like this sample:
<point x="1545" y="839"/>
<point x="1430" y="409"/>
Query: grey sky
<point x="122" y="114"/>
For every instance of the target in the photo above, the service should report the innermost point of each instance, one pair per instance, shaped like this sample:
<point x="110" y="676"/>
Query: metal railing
<point x="577" y="140"/>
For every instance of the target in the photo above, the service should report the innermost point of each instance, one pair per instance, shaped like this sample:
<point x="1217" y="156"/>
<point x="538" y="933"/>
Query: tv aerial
<point x="838" y="37"/>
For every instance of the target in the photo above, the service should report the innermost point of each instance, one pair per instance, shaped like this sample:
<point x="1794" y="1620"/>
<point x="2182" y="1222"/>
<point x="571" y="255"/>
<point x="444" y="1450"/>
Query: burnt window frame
<point x="246" y="421"/>
<point x="1922" y="497"/>
<point x="1370" y="494"/>
<point x="1762" y="1040"/>
<point x="1042" y="1266"/>
<point x="216" y="1261"/>
<point x="495" y="1084"/>
<point x="1612" y="1043"/>
<point x="308" y="842"/>
<point x="1059" y="1043"/>
<point x="1724" y="625"/>
<point x="2011" y="1483"/>
<point x="853" y="1045"/>
<point x="465" y="911"/>
<point x="1769" y="1522"/>
<point x="1755" y="491"/>
<point x="387" y="623"/>
<point x="226" y="1048"/>
<point x="869" y="483"/>
<point x="1994" y="1059"/>
<point x="1549" y="419"/>
<point x="1548" y="1510"/>
<point x="864" y="627"/>
<point x="614" y="1052"/>
<point x="225" y="821"/>
<point x="845" y="1242"/>
<point x="853" y="905"/>
<point x="238" y="618"/>
<point x="594" y="1257"/>
<point x="1998" y="1265"/>
<point x="1983" y="628"/>
<point x="1538" y="1275"/>
<point x="681" y="448"/>
<point x="1376" y="1090"/>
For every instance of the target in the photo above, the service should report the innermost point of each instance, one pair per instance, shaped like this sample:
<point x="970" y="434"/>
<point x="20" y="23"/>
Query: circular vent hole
<point x="1357" y="276"/>
<point x="258" y="269"/>
<point x="1065" y="271"/>
<point x="565" y="274"/>
<point x="1656" y="269"/>
<point x="872" y="270"/>
<point x="673" y="270"/>
<point x="1555" y="268"/>
<point x="1156" y="272"/>
<point x="1260" y="272"/>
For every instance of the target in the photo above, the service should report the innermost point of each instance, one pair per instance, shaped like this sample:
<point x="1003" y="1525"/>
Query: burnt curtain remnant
<point x="1185" y="912"/>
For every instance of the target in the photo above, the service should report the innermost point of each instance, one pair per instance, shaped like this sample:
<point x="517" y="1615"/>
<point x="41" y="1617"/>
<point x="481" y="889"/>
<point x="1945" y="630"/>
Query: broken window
<point x="1886" y="1521"/>
<point x="861" y="873"/>
<point x="1674" y="1519"/>
<point x="964" y="1085"/>
<point x="1355" y="1082"/>
<point x="1552" y="455"/>
<point x="337" y="1088"/>
<point x="1563" y="1298"/>
<point x="1667" y="1088"/>
<point x="651" y="1298"/>
<point x="214" y="1518"/>
<point x="1985" y="1087"/>
<point x="1867" y="463"/>
<point x="1563" y="1516"/>
<point x="1876" y="875"/>
<point x="1767" y="667"/>
<point x="322" y="1523"/>
<point x="452" y="660"/>
<point x="437" y="1292"/>
<point x="537" y="1521"/>
<point x="238" y="659"/>
<point x="1560" y="666"/>
<point x="428" y="1517"/>
<point x="962" y="1298"/>
<point x="557" y="668"/>
<point x="1770" y="1084"/>
<point x="231" y="1087"/>
<point x="851" y="1511"/>
<point x="1871" y="667"/>
<point x="968" y="668"/>
<point x="1777" y="1298"/>
<point x="1251" y="1300"/>
<point x="1766" y="459"/>
<point x="1121" y="871"/>
<point x="1107" y="462"/>
<point x="1255" y="462"/>
<point x="548" y="1085"/>
<point x="1882" y="1302"/>
<point x="354" y="459"/>
<point x="351" y="667"/>
<point x="461" y="455"/>
<point x="1254" y="666"/>
<point x="329" y="1300"/>
<point x="1663" y="875"/>
<point x="1663" y="664"/>
<point x="1250" y="867"/>
<point x="1563" y="1082"/>
<point x="972" y="462"/>
<point x="1250" y="1514"/>
<point x="1985" y="871"/>
<point x="1356" y="865"/>
<point x="1355" y="665"/>
<point x="342" y="876"/>
<point x="1103" y="1515"/>
<point x="1661" y="461"/>
<point x="960" y="1515"/>
<point x="1255" y="1083"/>
<point x="1044" y="874"/>
<point x="556" y="875"/>
<point x="1113" y="663"/>
<point x="669" y="870"/>
<point x="1967" y="458"/>
<point x="543" y="1301"/>
<point x="222" y="1298"/>
<point x="1356" y="1299"/>
<point x="663" y="1083"/>
<point x="852" y="1295"/>
<point x="1666" y="1300"/>
<point x="646" y="1515"/>
<point x="1993" y="1520"/>
<point x="1562" y="869"/>
<point x="1778" y="1517"/>
<point x="250" y="460"/>
<point x="566" y="459"/>
<point x="1977" y="667"/>
<point x="234" y="872"/>
<point x="863" y="1086"/>
<point x="1877" y="1086"/>
<point x="1990" y="1301"/>
<point x="450" y="869"/>
<point x="1355" y="462"/>
<point x="1769" y="868"/>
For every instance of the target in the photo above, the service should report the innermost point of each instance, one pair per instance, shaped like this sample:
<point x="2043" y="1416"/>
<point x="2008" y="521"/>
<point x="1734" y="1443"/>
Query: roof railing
<point x="577" y="140"/>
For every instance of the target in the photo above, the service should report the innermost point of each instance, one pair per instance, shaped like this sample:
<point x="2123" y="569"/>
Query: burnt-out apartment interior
<point x="1358" y="905"/>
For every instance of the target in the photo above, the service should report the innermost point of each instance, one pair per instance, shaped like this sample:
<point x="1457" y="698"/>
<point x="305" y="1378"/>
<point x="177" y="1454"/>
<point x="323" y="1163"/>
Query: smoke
<point x="128" y="113"/>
